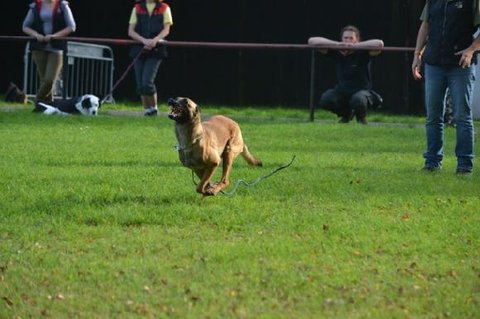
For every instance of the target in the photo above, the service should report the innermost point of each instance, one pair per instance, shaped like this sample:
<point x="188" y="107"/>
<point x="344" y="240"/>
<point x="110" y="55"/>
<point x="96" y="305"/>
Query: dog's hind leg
<point x="49" y="109"/>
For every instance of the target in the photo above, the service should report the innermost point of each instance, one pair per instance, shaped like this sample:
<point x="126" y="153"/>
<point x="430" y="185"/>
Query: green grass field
<point x="98" y="219"/>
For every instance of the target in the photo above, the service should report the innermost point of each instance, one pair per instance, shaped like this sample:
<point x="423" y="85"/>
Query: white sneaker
<point x="151" y="112"/>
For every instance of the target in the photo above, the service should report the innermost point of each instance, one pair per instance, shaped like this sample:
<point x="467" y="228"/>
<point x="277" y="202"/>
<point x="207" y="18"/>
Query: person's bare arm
<point x="148" y="43"/>
<point x="419" y="47"/>
<point x="467" y="54"/>
<point x="60" y="34"/>
<point x="29" y="31"/>
<point x="322" y="41"/>
<point x="373" y="43"/>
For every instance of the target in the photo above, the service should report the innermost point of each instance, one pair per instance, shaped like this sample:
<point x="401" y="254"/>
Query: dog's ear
<point x="194" y="106"/>
<point x="86" y="103"/>
<point x="190" y="102"/>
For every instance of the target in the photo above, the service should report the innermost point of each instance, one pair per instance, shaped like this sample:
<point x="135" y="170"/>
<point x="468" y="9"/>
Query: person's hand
<point x="48" y="38"/>
<point x="149" y="44"/>
<point x="39" y="37"/>
<point x="416" y="65"/>
<point x="466" y="57"/>
<point x="146" y="44"/>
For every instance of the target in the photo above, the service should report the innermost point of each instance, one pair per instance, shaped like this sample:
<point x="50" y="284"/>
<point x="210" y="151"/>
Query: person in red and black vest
<point x="149" y="24"/>
<point x="47" y="20"/>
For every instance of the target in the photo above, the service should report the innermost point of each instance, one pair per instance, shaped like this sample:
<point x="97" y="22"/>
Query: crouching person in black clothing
<point x="353" y="93"/>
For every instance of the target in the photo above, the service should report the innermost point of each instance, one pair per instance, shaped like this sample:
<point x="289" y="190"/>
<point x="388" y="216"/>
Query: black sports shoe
<point x="463" y="172"/>
<point x="362" y="120"/>
<point x="344" y="119"/>
<point x="431" y="169"/>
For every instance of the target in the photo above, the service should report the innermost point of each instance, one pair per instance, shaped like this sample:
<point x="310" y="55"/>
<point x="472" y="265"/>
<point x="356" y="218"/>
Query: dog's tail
<point x="251" y="160"/>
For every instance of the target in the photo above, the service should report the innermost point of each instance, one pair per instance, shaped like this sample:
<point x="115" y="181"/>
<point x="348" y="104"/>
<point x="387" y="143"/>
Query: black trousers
<point x="347" y="105"/>
<point x="145" y="73"/>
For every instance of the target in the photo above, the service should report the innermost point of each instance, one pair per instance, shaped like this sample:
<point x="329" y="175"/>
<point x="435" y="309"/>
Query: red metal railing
<point x="233" y="45"/>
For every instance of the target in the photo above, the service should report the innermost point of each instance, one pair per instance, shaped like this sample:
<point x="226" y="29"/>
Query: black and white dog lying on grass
<point x="87" y="104"/>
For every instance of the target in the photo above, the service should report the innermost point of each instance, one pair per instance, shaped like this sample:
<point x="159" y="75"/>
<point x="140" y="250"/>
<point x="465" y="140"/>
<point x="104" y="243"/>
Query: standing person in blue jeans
<point x="149" y="24"/>
<point x="445" y="44"/>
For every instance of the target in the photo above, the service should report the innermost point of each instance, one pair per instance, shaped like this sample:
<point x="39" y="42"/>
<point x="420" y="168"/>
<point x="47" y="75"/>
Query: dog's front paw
<point x="216" y="188"/>
<point x="207" y="193"/>
<point x="205" y="190"/>
<point x="211" y="191"/>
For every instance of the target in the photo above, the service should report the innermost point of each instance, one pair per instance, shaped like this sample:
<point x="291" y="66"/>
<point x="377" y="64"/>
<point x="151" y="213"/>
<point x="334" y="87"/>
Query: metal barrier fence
<point x="87" y="69"/>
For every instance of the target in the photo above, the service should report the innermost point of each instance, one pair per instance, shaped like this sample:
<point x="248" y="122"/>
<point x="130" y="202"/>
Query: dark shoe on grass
<point x="431" y="169"/>
<point x="463" y="172"/>
<point x="344" y="120"/>
<point x="362" y="120"/>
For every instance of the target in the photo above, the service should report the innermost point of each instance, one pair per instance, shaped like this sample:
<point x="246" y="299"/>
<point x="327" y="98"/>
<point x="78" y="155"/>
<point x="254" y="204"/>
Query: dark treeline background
<point x="246" y="77"/>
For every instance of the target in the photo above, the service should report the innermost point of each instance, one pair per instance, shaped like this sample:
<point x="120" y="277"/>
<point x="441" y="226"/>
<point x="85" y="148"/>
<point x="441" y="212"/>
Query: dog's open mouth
<point x="177" y="110"/>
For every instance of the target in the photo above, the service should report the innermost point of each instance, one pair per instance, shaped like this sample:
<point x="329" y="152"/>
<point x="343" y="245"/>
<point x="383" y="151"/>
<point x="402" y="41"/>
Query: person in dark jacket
<point x="446" y="45"/>
<point x="47" y="20"/>
<point x="353" y="93"/>
<point x="149" y="24"/>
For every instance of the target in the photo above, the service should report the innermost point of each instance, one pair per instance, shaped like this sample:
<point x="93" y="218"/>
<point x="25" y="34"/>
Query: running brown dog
<point x="203" y="145"/>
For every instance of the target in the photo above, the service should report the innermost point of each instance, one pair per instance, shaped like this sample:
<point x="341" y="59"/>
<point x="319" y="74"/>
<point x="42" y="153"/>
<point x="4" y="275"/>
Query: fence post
<point x="312" y="84"/>
<point x="64" y="71"/>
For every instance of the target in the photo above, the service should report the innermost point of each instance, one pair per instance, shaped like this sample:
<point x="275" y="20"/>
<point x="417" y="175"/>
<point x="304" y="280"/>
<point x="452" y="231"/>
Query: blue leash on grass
<point x="255" y="182"/>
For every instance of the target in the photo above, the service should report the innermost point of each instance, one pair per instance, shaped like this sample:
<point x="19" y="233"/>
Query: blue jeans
<point x="460" y="83"/>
